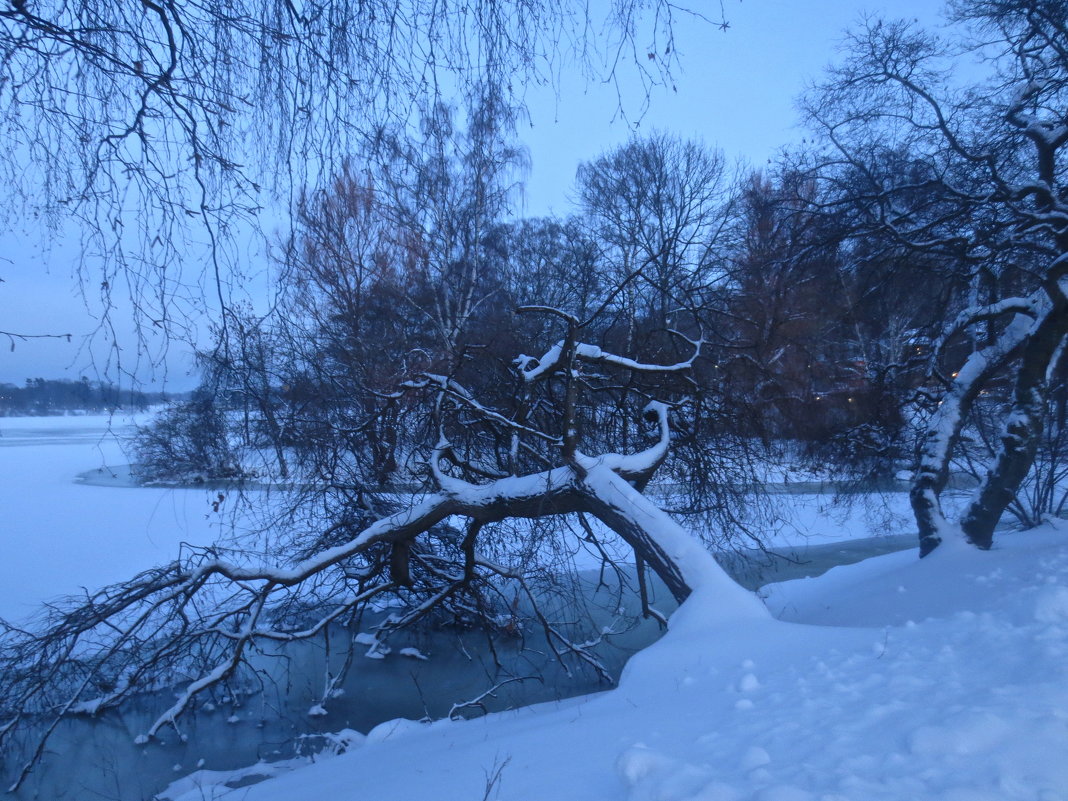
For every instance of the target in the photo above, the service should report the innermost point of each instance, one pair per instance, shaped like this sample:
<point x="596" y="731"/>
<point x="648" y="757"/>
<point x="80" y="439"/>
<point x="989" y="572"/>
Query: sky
<point x="735" y="90"/>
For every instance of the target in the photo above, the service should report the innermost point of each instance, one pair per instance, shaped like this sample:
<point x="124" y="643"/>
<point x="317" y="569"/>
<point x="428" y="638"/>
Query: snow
<point x="533" y="368"/>
<point x="888" y="679"/>
<point x="715" y="595"/>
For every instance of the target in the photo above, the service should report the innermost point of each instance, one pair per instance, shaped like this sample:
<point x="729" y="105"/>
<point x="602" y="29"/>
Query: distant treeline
<point x="40" y="396"/>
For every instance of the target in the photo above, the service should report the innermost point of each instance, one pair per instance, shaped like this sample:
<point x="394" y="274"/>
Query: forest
<point x="41" y="396"/>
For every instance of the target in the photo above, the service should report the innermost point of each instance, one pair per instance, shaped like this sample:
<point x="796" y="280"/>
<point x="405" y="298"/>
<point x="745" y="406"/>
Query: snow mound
<point x="1052" y="606"/>
<point x="393" y="730"/>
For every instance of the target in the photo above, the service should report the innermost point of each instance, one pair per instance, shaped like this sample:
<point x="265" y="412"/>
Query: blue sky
<point x="735" y="90"/>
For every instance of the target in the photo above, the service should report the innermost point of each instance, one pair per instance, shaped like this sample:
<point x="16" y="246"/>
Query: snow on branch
<point x="1028" y="306"/>
<point x="637" y="467"/>
<point x="532" y="368"/>
<point x="594" y="354"/>
<point x="478" y="701"/>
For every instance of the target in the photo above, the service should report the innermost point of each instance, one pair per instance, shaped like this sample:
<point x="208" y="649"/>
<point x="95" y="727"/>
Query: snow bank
<point x="893" y="679"/>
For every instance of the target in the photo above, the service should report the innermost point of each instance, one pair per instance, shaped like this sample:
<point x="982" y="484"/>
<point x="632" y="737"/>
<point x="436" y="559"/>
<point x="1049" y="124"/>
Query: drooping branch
<point x="241" y="595"/>
<point x="12" y="337"/>
<point x="440" y="552"/>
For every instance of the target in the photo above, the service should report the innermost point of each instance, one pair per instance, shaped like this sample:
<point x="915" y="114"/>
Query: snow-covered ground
<point x="888" y="679"/>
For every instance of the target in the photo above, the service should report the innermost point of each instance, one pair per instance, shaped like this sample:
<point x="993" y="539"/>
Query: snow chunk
<point x="87" y="707"/>
<point x="749" y="683"/>
<point x="413" y="653"/>
<point x="344" y="740"/>
<point x="376" y="648"/>
<point x="639" y="761"/>
<point x="392" y="729"/>
<point x="754" y="757"/>
<point x="1052" y="606"/>
<point x="317" y="711"/>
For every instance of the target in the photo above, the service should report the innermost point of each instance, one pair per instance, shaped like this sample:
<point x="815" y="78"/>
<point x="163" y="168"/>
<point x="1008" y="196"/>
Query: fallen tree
<point x="209" y="611"/>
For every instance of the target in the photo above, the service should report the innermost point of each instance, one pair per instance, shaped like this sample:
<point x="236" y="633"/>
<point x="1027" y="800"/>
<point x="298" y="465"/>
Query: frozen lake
<point x="60" y="535"/>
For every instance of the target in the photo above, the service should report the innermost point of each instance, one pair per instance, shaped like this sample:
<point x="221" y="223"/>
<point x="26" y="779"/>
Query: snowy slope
<point x="889" y="679"/>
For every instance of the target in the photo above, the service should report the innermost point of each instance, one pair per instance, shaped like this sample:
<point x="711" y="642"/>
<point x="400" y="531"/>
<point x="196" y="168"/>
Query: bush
<point x="187" y="442"/>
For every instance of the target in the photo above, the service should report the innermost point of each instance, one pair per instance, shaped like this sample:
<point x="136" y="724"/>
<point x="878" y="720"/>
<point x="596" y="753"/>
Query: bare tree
<point x="393" y="268"/>
<point x="555" y="262"/>
<point x="658" y="205"/>
<point x="779" y="313"/>
<point x="445" y="192"/>
<point x="985" y="194"/>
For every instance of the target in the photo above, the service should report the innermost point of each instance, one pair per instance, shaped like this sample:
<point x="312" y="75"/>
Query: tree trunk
<point x="644" y="542"/>
<point x="1023" y="428"/>
<point x="944" y="429"/>
<point x="940" y="439"/>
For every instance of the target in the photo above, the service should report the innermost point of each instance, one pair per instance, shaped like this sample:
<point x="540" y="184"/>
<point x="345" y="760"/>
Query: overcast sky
<point x="736" y="91"/>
